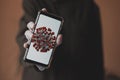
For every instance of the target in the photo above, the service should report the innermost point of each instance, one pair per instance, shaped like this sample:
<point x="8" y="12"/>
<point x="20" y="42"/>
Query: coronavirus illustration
<point x="43" y="39"/>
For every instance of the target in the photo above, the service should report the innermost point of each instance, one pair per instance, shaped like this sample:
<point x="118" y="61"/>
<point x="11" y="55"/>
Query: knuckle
<point x="26" y="32"/>
<point x="30" y="24"/>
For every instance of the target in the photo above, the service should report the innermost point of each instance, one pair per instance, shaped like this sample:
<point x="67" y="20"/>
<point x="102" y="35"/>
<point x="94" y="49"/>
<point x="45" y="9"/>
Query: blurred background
<point x="10" y="13"/>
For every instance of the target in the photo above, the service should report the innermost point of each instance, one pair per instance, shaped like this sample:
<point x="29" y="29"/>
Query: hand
<point x="29" y="33"/>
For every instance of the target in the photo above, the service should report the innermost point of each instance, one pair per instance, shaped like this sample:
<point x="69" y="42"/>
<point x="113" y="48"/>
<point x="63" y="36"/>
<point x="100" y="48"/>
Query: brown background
<point x="10" y="13"/>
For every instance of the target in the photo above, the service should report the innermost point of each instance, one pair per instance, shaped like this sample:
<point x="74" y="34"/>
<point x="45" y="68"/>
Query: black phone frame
<point x="50" y="15"/>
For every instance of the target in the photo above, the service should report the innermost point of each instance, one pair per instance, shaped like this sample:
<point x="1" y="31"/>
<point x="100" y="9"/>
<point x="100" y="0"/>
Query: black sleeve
<point x="96" y="42"/>
<point x="30" y="8"/>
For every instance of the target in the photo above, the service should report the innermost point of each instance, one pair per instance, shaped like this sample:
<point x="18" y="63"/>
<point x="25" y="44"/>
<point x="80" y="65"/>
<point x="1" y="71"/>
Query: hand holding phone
<point x="29" y="33"/>
<point x="44" y="21"/>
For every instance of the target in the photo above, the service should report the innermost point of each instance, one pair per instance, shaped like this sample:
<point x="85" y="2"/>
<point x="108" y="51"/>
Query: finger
<point x="41" y="68"/>
<point x="59" y="39"/>
<point x="26" y="45"/>
<point x="28" y="34"/>
<point x="44" y="9"/>
<point x="31" y="26"/>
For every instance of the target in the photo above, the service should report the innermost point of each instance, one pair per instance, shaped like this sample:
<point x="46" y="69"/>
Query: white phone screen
<point x="43" y="57"/>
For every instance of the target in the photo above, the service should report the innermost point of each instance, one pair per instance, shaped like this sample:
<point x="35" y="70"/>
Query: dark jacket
<point x="79" y="57"/>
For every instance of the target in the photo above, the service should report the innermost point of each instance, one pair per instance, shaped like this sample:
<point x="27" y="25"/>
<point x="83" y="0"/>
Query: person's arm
<point x="30" y="8"/>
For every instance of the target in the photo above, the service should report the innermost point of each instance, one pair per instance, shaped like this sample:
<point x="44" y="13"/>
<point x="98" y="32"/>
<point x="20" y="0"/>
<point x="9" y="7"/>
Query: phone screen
<point x="43" y="57"/>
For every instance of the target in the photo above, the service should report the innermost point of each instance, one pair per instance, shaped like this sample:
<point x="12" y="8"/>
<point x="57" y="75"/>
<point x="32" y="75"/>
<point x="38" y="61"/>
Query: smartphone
<point x="50" y="21"/>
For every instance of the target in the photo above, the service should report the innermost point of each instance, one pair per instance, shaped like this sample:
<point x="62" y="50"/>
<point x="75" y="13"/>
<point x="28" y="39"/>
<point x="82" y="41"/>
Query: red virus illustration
<point x="43" y="39"/>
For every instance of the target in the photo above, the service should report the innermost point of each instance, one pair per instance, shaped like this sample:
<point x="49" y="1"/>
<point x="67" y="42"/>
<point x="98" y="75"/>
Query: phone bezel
<point x="53" y="16"/>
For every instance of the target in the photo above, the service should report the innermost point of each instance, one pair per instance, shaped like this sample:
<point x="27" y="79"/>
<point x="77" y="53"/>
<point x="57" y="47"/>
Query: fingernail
<point x="44" y="9"/>
<point x="25" y="45"/>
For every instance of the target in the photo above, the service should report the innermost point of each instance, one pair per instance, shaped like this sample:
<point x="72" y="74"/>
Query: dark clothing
<point x="79" y="57"/>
